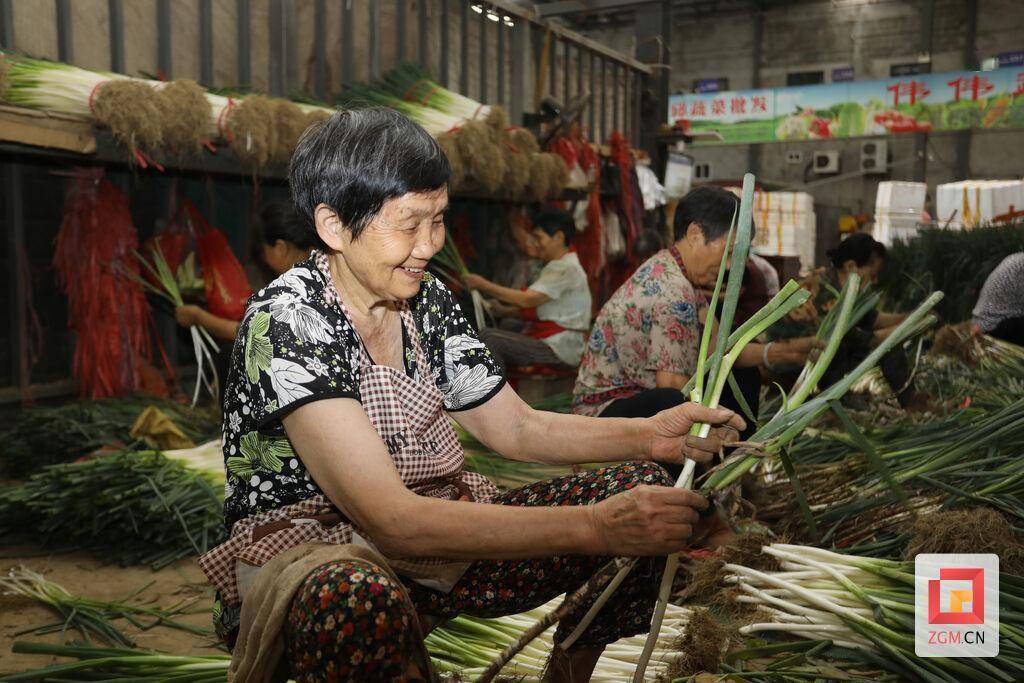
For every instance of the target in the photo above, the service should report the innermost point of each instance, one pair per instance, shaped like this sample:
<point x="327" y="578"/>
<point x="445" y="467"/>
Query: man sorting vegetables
<point x="354" y="523"/>
<point x="555" y="306"/>
<point x="644" y="344"/>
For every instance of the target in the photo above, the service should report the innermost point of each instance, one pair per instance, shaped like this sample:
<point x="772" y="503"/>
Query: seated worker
<point x="283" y="242"/>
<point x="859" y="253"/>
<point x="556" y="305"/>
<point x="1000" y="308"/>
<point x="644" y="344"/>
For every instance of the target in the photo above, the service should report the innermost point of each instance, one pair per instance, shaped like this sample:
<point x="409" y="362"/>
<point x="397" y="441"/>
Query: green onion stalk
<point x="867" y="604"/>
<point x="92" y="617"/>
<point x="203" y="345"/>
<point x="449" y="263"/>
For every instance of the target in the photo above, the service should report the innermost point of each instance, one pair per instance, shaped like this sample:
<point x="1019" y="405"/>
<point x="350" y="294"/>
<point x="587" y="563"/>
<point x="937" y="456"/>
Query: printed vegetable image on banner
<point x="959" y="100"/>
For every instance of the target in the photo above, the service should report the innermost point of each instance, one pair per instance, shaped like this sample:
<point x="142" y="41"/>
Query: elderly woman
<point x="336" y="429"/>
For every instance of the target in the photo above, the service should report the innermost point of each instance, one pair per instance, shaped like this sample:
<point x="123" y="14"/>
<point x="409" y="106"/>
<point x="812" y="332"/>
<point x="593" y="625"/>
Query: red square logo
<point x="957" y="614"/>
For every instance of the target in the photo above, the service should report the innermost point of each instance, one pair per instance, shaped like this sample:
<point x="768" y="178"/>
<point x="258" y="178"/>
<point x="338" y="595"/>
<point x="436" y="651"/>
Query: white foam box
<point x="971" y="202"/>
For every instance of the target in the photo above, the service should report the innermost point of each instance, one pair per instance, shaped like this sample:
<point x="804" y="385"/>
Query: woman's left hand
<point x="671" y="440"/>
<point x="188" y="315"/>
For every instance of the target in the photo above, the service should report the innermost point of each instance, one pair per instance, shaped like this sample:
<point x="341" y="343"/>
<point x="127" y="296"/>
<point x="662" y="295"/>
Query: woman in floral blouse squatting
<point x="644" y="343"/>
<point x="343" y="377"/>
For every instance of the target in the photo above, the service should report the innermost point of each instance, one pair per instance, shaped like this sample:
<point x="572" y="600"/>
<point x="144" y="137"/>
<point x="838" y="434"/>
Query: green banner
<point x="923" y="102"/>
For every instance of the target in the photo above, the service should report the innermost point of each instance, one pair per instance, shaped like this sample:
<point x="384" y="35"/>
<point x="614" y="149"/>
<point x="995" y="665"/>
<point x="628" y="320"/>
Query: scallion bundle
<point x="90" y="617"/>
<point x="449" y="264"/>
<point x="165" y="286"/>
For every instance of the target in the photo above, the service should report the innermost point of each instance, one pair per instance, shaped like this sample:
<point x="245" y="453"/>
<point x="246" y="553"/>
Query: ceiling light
<point x="508" y="21"/>
<point x="492" y="15"/>
<point x="477" y="7"/>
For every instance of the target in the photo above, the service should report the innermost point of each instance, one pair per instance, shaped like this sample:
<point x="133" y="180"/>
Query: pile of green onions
<point x="466" y="645"/>
<point x="867" y="604"/>
<point x="132" y="507"/>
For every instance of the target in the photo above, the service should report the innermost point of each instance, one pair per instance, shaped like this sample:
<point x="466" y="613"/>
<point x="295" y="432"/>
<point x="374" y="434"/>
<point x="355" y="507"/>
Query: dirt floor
<point x="85" y="575"/>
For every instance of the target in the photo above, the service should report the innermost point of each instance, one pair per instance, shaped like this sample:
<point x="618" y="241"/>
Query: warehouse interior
<point x="459" y="340"/>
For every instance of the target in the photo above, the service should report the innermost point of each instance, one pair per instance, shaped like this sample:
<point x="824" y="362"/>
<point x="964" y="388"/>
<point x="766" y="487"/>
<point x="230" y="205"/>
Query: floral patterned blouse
<point x="651" y="323"/>
<point x="293" y="347"/>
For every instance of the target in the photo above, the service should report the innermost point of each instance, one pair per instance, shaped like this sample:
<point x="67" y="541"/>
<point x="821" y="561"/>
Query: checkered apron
<point x="408" y="414"/>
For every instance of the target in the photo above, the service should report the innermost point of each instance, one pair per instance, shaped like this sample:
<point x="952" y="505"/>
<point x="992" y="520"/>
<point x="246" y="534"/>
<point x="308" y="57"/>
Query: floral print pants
<point x="349" y="621"/>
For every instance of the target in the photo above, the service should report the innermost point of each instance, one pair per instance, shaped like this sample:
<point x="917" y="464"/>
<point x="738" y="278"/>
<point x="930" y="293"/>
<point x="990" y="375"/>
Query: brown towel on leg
<point x="259" y="650"/>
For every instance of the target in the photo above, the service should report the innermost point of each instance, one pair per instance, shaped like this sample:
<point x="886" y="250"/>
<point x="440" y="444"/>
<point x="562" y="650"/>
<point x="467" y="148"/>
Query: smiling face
<point x="388" y="259"/>
<point x="548" y="247"/>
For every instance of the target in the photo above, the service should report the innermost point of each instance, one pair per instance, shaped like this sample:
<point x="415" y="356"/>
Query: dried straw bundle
<point x="131" y="110"/>
<point x="184" y="114"/>
<point x="482" y="158"/>
<point x="290" y="123"/>
<point x="450" y="145"/>
<point x="252" y="131"/>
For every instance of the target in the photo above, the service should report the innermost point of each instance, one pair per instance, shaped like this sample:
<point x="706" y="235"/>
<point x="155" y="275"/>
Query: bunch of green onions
<point x="54" y="86"/>
<point x="203" y="343"/>
<point x="89" y="616"/>
<point x="867" y="604"/>
<point x="120" y="664"/>
<point x="434" y="120"/>
<point x="449" y="264"/>
<point x="411" y="83"/>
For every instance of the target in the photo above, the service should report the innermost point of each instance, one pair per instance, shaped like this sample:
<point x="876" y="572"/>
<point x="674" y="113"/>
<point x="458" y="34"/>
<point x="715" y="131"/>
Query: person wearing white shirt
<point x="556" y="306"/>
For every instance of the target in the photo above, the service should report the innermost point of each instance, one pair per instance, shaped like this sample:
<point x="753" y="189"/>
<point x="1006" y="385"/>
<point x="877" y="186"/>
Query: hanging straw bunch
<point x="131" y="110"/>
<point x="184" y="113"/>
<point x="484" y="162"/>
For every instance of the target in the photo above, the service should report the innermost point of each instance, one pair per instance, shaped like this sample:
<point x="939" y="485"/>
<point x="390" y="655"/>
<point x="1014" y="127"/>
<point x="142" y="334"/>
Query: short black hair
<point x="278" y="221"/>
<point x="858" y="247"/>
<point x="358" y="159"/>
<point x="710" y="207"/>
<point x="553" y="220"/>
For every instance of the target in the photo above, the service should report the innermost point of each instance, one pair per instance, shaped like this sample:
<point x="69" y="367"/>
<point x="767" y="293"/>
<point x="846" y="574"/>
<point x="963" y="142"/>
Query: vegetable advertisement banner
<point x="957" y="100"/>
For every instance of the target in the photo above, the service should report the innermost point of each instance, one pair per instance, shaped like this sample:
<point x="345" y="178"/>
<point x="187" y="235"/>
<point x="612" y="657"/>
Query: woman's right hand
<point x="647" y="520"/>
<point x="188" y="315"/>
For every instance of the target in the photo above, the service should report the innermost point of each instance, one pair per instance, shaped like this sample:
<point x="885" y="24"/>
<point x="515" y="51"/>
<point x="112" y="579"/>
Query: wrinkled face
<point x="547" y="247"/>
<point x="390" y="255"/>
<point x="702" y="268"/>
